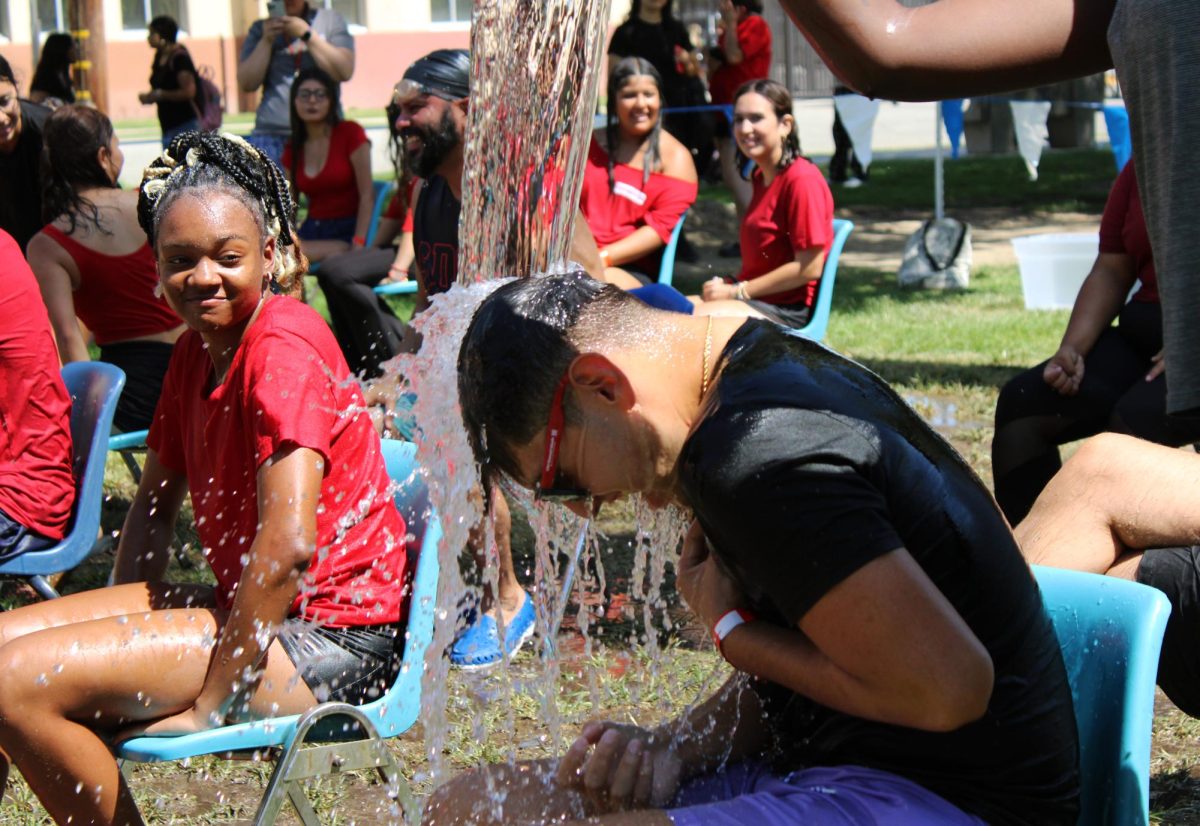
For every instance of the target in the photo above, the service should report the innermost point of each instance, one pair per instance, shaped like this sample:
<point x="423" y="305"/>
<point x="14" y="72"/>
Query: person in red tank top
<point x="94" y="266"/>
<point x="328" y="160"/>
<point x="262" y="423"/>
<point x="639" y="179"/>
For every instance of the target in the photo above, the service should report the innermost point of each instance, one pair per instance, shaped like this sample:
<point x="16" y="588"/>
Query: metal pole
<point x="939" y="183"/>
<point x="35" y="32"/>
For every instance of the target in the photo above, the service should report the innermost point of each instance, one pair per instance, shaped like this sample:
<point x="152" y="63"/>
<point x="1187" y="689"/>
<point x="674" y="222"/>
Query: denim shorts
<point x="328" y="229"/>
<point x="347" y="665"/>
<point x="16" y="539"/>
<point x="750" y="794"/>
<point x="269" y="143"/>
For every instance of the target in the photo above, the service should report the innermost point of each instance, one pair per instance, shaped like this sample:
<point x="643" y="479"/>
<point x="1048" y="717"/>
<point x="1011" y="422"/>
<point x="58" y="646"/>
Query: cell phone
<point x="275" y="8"/>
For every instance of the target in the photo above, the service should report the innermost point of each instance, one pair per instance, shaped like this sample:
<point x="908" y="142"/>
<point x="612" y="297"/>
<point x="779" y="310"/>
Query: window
<point x="450" y="11"/>
<point x="5" y="25"/>
<point x="52" y="15"/>
<point x="135" y="14"/>
<point x="351" y="10"/>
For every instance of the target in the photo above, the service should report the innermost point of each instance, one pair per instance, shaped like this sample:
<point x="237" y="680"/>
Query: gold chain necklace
<point x="704" y="363"/>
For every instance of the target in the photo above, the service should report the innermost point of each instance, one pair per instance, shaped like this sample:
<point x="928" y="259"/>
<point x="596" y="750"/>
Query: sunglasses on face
<point x="408" y="90"/>
<point x="550" y="487"/>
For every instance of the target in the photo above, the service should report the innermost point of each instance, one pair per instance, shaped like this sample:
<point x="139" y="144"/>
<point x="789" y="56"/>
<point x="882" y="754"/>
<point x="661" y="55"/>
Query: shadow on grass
<point x="908" y="373"/>
<point x="1174" y="797"/>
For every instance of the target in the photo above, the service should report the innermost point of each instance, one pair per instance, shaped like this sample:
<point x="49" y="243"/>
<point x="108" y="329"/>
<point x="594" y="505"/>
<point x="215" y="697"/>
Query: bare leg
<point x="498" y="528"/>
<point x="1099" y="507"/>
<point x="67" y="689"/>
<point x="521" y="793"/>
<point x="731" y="176"/>
<point x="621" y="278"/>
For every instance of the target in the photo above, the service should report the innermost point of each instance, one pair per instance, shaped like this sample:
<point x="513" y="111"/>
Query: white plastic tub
<point x="1053" y="267"/>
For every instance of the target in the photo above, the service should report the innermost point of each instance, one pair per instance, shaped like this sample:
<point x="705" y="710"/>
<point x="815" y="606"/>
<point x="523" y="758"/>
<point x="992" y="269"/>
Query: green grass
<point x="1075" y="180"/>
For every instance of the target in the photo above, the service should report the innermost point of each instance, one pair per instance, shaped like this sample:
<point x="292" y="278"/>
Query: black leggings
<point x="1176" y="572"/>
<point x="366" y="328"/>
<point x="1032" y="419"/>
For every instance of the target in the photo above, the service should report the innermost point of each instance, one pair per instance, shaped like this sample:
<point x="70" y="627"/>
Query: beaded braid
<point x="197" y="160"/>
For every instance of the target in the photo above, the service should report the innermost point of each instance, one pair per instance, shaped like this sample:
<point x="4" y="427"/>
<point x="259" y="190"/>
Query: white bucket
<point x="1053" y="267"/>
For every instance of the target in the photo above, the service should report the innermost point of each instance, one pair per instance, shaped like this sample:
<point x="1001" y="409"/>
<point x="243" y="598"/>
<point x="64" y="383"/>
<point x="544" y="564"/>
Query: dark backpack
<point x="208" y="101"/>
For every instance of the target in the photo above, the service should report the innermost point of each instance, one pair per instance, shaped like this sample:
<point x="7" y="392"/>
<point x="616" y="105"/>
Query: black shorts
<point x="1176" y="572"/>
<point x="346" y="665"/>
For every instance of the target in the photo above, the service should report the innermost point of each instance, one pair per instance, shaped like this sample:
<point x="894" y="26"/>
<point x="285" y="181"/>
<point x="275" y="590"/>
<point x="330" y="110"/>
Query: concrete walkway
<point x="901" y="129"/>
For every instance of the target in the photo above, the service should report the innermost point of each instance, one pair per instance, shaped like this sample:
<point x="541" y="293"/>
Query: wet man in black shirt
<point x="900" y="664"/>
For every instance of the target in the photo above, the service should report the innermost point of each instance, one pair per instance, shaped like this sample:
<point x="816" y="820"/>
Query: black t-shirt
<point x="21" y="180"/>
<point x="804" y="468"/>
<point x="656" y="43"/>
<point x="172" y="113"/>
<point x="435" y="235"/>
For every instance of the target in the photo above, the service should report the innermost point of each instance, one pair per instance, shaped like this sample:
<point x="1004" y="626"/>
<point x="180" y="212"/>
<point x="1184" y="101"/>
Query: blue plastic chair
<point x="817" y="324"/>
<point x="383" y="194"/>
<point x="94" y="387"/>
<point x="666" y="271"/>
<point x="1110" y="631"/>
<point x="126" y="444"/>
<point x="359" y="739"/>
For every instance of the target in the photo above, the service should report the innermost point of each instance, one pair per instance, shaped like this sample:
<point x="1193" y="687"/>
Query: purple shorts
<point x="748" y="794"/>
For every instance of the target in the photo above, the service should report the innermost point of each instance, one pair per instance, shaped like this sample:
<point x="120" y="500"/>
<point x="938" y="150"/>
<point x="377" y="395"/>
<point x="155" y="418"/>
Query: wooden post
<point x="87" y="26"/>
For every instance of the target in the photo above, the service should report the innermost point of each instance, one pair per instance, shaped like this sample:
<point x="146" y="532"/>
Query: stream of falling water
<point x="534" y="76"/>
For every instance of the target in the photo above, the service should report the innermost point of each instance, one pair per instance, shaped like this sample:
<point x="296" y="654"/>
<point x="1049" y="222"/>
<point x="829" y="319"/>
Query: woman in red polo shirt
<point x="639" y="179"/>
<point x="94" y="265"/>
<point x="262" y="423"/>
<point x="329" y="161"/>
<point x="789" y="223"/>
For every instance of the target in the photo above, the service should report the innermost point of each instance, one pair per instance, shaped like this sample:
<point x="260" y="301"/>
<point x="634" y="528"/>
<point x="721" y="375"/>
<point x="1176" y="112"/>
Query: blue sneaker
<point x="478" y="646"/>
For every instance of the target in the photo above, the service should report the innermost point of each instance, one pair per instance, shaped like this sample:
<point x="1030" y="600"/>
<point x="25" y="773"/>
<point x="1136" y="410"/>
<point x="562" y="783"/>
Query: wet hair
<point x="781" y="101"/>
<point x="53" y="73"/>
<point x="165" y="27"/>
<point x="519" y="344"/>
<point x="71" y="138"/>
<point x="212" y="163"/>
<point x="6" y="72"/>
<point x="630" y="67"/>
<point x="299" y="129"/>
<point x="447" y="72"/>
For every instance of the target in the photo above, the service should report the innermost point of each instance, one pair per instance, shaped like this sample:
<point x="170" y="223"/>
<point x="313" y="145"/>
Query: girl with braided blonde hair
<point x="261" y="420"/>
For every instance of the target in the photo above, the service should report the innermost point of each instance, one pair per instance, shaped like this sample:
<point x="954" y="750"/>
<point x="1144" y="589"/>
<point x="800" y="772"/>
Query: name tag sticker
<point x="630" y="193"/>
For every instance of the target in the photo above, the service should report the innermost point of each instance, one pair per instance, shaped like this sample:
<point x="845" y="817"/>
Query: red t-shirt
<point x="288" y="386"/>
<point x="754" y="39"/>
<point x="332" y="192"/>
<point x="794" y="213"/>
<point x="37" y="483"/>
<point x="613" y="214"/>
<point x="1123" y="231"/>
<point x="116" y="297"/>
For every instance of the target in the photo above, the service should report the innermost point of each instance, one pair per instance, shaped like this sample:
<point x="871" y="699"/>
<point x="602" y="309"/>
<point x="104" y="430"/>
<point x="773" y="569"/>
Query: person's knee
<point x="484" y="796"/>
<point x="1098" y="460"/>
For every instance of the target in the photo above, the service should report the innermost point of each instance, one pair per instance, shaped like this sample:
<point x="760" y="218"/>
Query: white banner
<point x="1029" y="122"/>
<point x="858" y="116"/>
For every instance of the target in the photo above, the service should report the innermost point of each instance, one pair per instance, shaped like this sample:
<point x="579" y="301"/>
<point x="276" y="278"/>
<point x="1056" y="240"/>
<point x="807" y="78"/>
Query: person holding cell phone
<point x="295" y="36"/>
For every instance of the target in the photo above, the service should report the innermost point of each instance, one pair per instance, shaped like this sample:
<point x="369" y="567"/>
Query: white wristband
<point x="729" y="621"/>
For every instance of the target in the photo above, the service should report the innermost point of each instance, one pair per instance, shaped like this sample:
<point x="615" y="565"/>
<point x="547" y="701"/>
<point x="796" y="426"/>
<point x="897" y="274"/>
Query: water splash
<point x="534" y="77"/>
